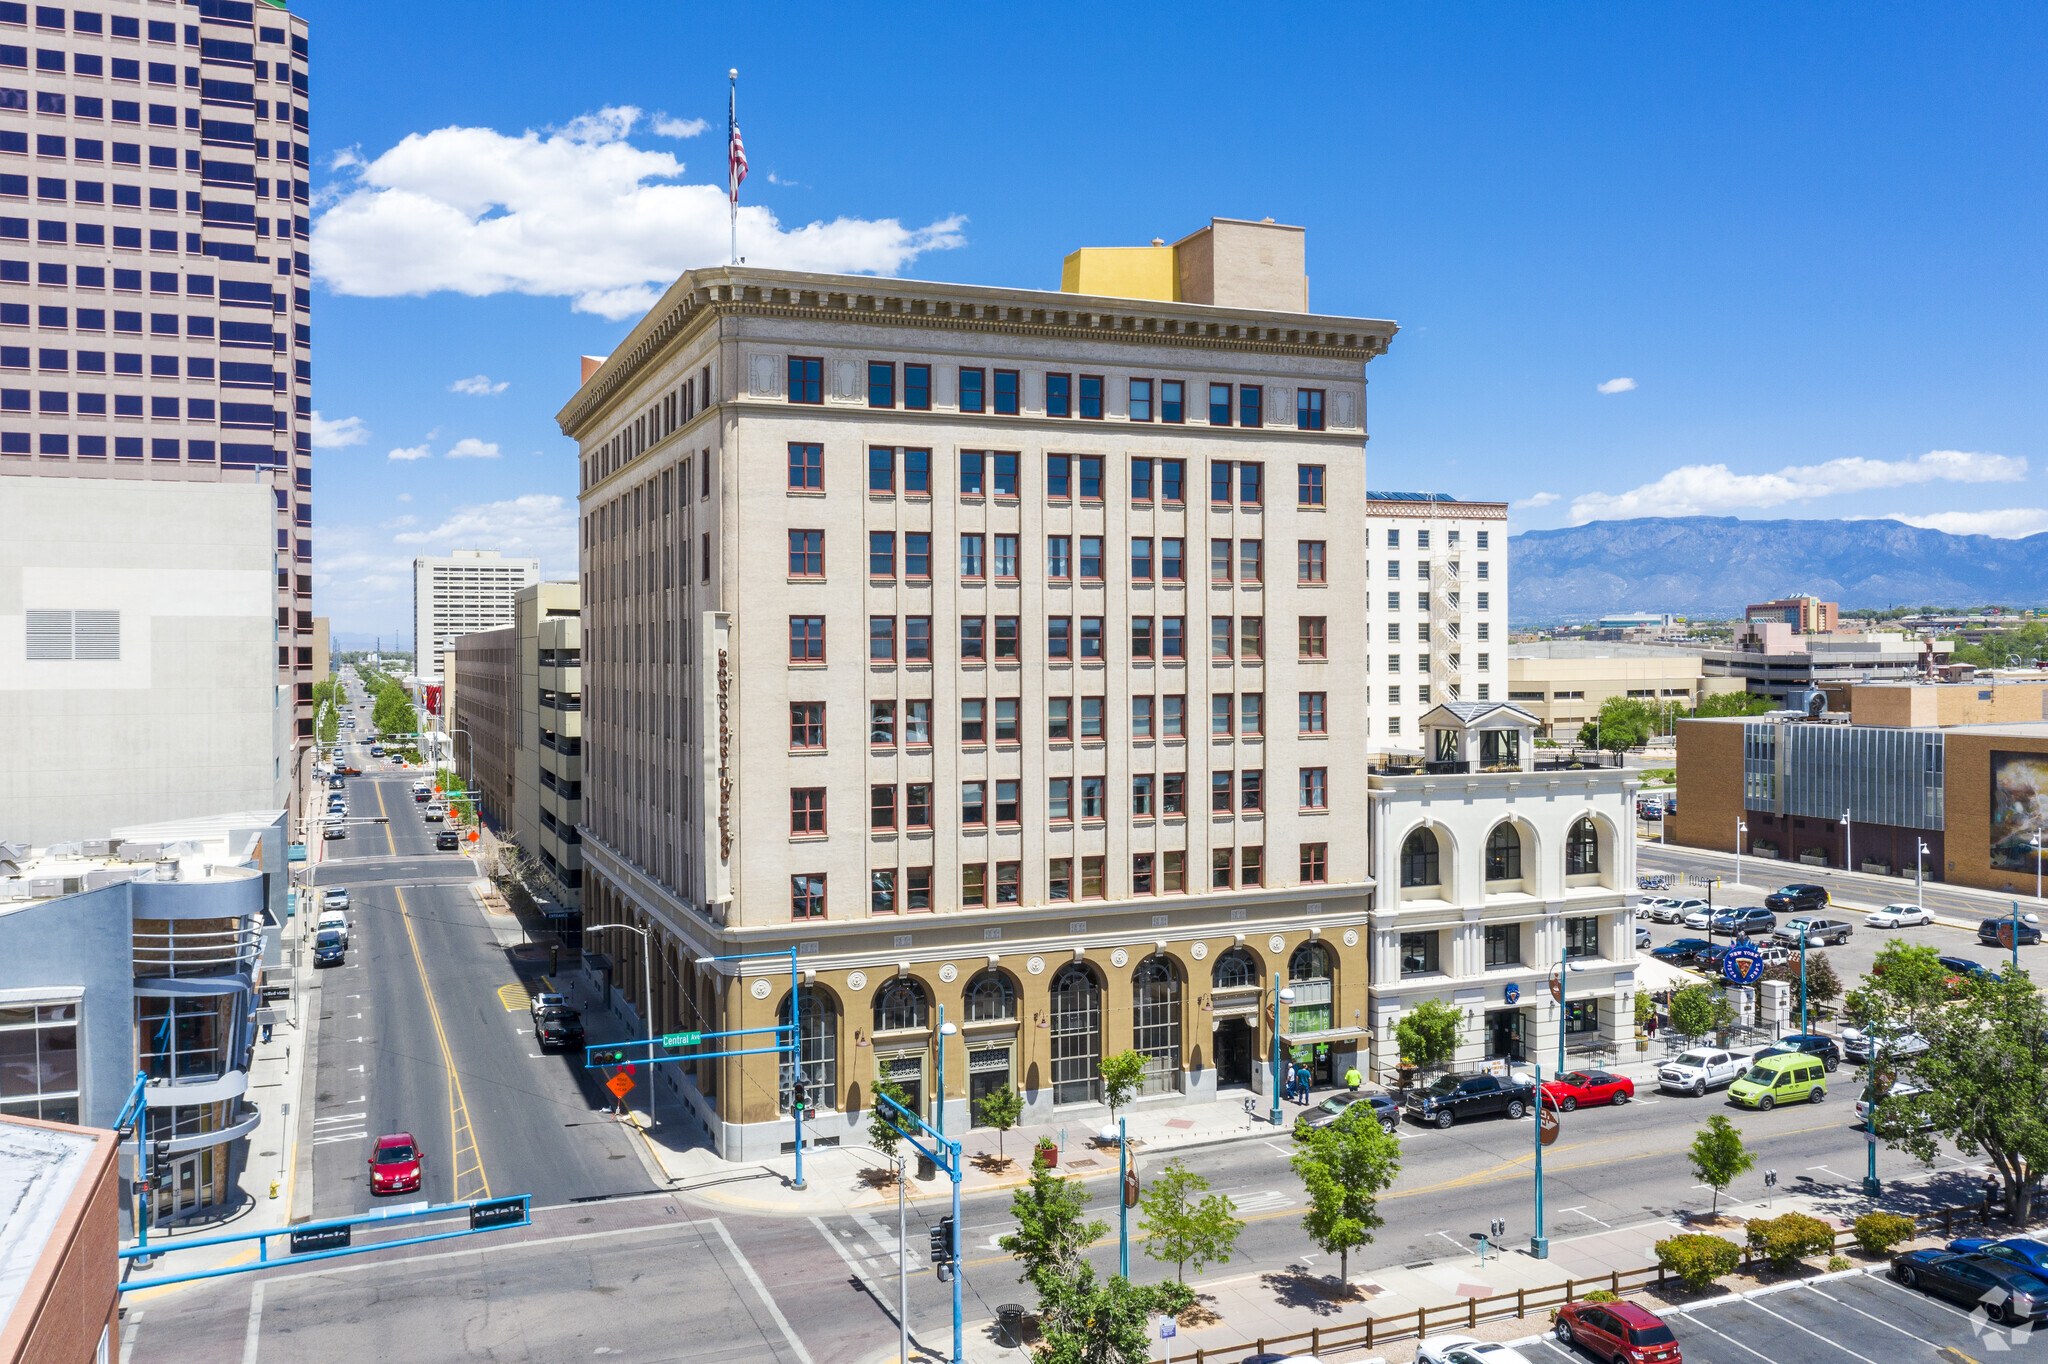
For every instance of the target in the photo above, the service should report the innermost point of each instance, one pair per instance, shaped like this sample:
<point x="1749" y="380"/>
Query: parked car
<point x="435" y="812"/>
<point x="336" y="920"/>
<point x="1800" y="899"/>
<point x="1680" y="951"/>
<point x="334" y="829"/>
<point x="1617" y="1331"/>
<point x="1665" y="911"/>
<point x="395" y="1164"/>
<point x="1743" y="922"/>
<point x="2023" y="1251"/>
<point x="1383" y="1107"/>
<point x="1697" y="1071"/>
<point x="1788" y="1077"/>
<point x="1992" y="931"/>
<point x="1456" y="1096"/>
<point x="1650" y="903"/>
<point x="330" y="947"/>
<point x="1819" y="932"/>
<point x="1642" y="935"/>
<point x="1807" y="1043"/>
<point x="1897" y="916"/>
<point x="558" y="1027"/>
<point x="335" y="897"/>
<point x="1965" y="968"/>
<point x="1857" y="1044"/>
<point x="1775" y="954"/>
<point x="421" y="795"/>
<point x="543" y="1000"/>
<point x="447" y="841"/>
<point x="1900" y="1089"/>
<point x="1462" y="1349"/>
<point x="2009" y="1292"/>
<point x="1700" y="917"/>
<point x="1578" y="1087"/>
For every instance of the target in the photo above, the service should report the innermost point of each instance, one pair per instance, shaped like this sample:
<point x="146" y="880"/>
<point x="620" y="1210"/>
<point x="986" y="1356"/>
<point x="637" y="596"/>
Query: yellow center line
<point x="389" y="846"/>
<point x="458" y="1106"/>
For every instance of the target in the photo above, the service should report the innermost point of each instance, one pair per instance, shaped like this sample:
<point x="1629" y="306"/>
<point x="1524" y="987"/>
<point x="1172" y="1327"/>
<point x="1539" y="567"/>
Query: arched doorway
<point x="1155" y="1023"/>
<point x="1234" y="983"/>
<point x="1311" y="973"/>
<point x="901" y="1007"/>
<point x="991" y="997"/>
<point x="1076" y="1035"/>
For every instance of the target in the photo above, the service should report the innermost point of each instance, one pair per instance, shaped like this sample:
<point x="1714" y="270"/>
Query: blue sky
<point x="1811" y="236"/>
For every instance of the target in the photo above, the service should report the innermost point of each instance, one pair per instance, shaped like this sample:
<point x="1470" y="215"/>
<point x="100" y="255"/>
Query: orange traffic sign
<point x="619" y="1084"/>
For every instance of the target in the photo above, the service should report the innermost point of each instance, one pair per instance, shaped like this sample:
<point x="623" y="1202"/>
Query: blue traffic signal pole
<point x="2016" y="929"/>
<point x="794" y="1046"/>
<point x="1539" y="1244"/>
<point x="947" y="1158"/>
<point x="136" y="1111"/>
<point x="1123" y="1202"/>
<point x="1802" y="977"/>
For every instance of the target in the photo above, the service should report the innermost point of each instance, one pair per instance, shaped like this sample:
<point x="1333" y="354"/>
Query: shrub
<point x="1172" y="1298"/>
<point x="1838" y="1263"/>
<point x="1785" y="1240"/>
<point x="1602" y="1295"/>
<point x="1878" y="1232"/>
<point x="1698" y="1259"/>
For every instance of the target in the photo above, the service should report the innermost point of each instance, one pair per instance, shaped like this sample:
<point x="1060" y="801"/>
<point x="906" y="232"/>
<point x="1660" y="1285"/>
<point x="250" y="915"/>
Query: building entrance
<point x="1236" y="1051"/>
<point x="1504" y="1034"/>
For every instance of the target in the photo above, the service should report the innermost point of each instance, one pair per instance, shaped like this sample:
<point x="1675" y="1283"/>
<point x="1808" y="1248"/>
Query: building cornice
<point x="702" y="297"/>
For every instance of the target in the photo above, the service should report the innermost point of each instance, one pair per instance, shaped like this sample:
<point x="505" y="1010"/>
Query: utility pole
<point x="1123" y="1200"/>
<point x="902" y="1264"/>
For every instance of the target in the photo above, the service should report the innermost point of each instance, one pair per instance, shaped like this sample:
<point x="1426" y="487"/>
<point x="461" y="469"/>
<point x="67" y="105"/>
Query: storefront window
<point x="1503" y="945"/>
<point x="1582" y="937"/>
<point x="1076" y="1034"/>
<point x="1581" y="1016"/>
<point x="39" y="1061"/>
<point x="1418" y="953"/>
<point x="819" y="1037"/>
<point x="1155" y="1023"/>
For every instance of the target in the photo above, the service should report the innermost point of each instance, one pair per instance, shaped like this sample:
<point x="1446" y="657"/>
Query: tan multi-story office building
<point x="547" y="748"/>
<point x="460" y="594"/>
<point x="996" y="652"/>
<point x="1563" y="683"/>
<point x="1436" y="609"/>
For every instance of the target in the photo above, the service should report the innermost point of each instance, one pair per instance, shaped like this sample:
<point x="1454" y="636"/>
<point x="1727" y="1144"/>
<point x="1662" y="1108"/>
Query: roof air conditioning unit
<point x="98" y="847"/>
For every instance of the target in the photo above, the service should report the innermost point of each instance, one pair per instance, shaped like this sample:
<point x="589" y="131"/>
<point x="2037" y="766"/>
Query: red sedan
<point x="1618" y="1331"/>
<point x="395" y="1164"/>
<point x="1588" y="1087"/>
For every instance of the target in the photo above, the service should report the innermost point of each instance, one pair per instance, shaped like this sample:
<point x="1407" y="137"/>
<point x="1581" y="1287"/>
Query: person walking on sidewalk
<point x="1352" y="1079"/>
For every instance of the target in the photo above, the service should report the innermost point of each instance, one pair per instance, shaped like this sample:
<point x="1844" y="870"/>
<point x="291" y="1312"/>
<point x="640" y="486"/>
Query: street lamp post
<point x="1871" y="1187"/>
<point x="1280" y="996"/>
<point x="1802" y="977"/>
<point x="1919" y="878"/>
<point x="1848" y="854"/>
<point x="1740" y="830"/>
<point x="646" y="1000"/>
<point x="946" y="1030"/>
<point x="2035" y="844"/>
<point x="1539" y="1244"/>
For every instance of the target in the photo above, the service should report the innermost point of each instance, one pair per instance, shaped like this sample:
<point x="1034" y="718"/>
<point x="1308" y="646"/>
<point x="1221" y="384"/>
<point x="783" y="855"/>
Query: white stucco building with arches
<point x="1493" y="874"/>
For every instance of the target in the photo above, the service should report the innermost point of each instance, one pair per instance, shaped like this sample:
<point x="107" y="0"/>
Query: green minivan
<point x="1781" y="1079"/>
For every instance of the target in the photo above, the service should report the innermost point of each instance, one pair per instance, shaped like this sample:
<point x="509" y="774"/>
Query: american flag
<point x="735" y="156"/>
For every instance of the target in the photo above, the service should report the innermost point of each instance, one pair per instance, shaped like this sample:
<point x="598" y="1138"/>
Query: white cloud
<point x="408" y="452"/>
<point x="479" y="386"/>
<point x="576" y="211"/>
<point x="1618" y="386"/>
<point x="405" y="497"/>
<point x="1535" y="500"/>
<point x="536" y="525"/>
<point x="332" y="435"/>
<point x="469" y="447"/>
<point x="666" y="126"/>
<point x="1704" y="489"/>
<point x="2006" y="523"/>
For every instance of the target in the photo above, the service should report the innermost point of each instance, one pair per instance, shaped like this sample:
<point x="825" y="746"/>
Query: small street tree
<point x="1053" y="1232"/>
<point x="1428" y="1033"/>
<point x="1823" y="986"/>
<point x="1121" y="1075"/>
<point x="1086" y="1320"/>
<point x="1692" y="1011"/>
<point x="1344" y="1166"/>
<point x="1001" y="1110"/>
<point x="1718" y="1156"/>
<point x="881" y="1134"/>
<point x="1181" y="1227"/>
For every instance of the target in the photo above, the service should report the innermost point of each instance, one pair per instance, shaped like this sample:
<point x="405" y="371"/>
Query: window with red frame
<point x="807" y="810"/>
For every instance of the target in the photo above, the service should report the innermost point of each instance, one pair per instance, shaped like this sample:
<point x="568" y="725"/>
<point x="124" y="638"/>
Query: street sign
<point x="1743" y="964"/>
<point x="1547" y="1120"/>
<point x="499" y="1212"/>
<point x="619" y="1084"/>
<point x="682" y="1039"/>
<point x="319" y="1238"/>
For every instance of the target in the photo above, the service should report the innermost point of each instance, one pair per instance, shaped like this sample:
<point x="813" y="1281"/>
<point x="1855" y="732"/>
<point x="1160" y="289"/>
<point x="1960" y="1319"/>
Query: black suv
<point x="1991" y="932"/>
<point x="1456" y="1096"/>
<point x="447" y="841"/>
<point x="1797" y="900"/>
<point x="558" y="1027"/>
<point x="1808" y="1044"/>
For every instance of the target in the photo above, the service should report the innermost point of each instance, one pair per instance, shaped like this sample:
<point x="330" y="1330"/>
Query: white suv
<point x="1698" y="1071"/>
<point x="1674" y="911"/>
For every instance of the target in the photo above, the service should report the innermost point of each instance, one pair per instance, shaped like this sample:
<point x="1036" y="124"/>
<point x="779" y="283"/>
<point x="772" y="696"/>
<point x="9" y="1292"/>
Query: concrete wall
<point x="1922" y="705"/>
<point x="80" y="948"/>
<point x="191" y="718"/>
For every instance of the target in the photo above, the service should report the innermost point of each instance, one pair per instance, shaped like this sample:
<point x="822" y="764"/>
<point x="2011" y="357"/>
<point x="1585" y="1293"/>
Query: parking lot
<point x="1860" y="1317"/>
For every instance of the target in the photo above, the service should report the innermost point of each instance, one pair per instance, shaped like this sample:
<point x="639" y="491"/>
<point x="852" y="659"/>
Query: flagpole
<point x="732" y="121"/>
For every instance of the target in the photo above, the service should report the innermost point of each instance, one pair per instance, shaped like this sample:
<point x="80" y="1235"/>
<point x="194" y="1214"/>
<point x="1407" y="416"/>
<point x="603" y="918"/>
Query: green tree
<point x="1718" y="1156"/>
<point x="1121" y="1075"/>
<point x="1180" y="1226"/>
<point x="1692" y="1011"/>
<point x="1001" y="1110"/>
<point x="881" y="1134"/>
<point x="1625" y="722"/>
<point x="1344" y="1166"/>
<point x="1732" y="703"/>
<point x="1823" y="986"/>
<point x="1086" y="1320"/>
<point x="1906" y="985"/>
<point x="1428" y="1033"/>
<point x="1052" y="1233"/>
<point x="1983" y="1083"/>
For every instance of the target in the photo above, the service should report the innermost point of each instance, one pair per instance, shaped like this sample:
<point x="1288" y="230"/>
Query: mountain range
<point x="1712" y="566"/>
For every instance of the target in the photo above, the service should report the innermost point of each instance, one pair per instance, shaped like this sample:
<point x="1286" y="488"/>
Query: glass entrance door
<point x="1504" y="1033"/>
<point x="189" y="1186"/>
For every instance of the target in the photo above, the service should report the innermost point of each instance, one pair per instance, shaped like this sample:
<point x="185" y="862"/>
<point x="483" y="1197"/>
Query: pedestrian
<point x="1353" y="1079"/>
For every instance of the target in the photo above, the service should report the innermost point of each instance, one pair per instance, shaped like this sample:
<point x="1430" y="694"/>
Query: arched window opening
<point x="1419" y="859"/>
<point x="1076" y="1035"/>
<point x="1504" y="853"/>
<point x="1155" y="1023"/>
<point x="1582" y="849"/>
<point x="901" y="1004"/>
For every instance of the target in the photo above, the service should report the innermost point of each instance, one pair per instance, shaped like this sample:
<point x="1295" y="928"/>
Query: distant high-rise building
<point x="469" y="590"/>
<point x="1436" y="609"/>
<point x="1807" y="615"/>
<point x="161" y="268"/>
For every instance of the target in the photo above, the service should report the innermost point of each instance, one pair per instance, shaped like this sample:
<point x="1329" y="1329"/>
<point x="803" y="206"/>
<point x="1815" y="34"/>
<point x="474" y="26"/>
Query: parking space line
<point x="1843" y="1302"/>
<point x="1815" y="1334"/>
<point x="1691" y="1317"/>
<point x="1918" y="1296"/>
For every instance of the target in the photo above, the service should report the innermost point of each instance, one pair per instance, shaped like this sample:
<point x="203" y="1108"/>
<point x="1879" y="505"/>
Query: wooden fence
<point x="1466" y="1315"/>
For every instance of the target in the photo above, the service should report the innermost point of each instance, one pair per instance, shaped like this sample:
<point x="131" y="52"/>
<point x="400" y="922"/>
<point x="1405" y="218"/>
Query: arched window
<point x="991" y="998"/>
<point x="1155" y="1023"/>
<point x="1582" y="849"/>
<point x="1504" y="853"/>
<point x="1234" y="970"/>
<point x="900" y="1004"/>
<point x="1418" y="859"/>
<point x="1311" y="961"/>
<point x="1076" y="1034"/>
<point x="1308" y="975"/>
<point x="819" y="1039"/>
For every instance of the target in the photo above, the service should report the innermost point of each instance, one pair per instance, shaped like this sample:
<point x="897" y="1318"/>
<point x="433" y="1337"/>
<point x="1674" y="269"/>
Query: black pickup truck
<point x="1456" y="1096"/>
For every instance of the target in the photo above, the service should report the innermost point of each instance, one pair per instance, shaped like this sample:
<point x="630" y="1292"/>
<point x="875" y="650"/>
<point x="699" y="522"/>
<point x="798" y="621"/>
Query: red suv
<point x="1620" y="1332"/>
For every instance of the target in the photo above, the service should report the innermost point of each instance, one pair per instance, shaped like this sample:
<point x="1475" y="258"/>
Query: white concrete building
<point x="1493" y="875"/>
<point x="1436" y="609"/>
<point x="467" y="591"/>
<point x="139" y="646"/>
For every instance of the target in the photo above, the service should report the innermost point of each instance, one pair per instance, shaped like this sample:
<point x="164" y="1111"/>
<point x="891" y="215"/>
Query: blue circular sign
<point x="1512" y="993"/>
<point x="1743" y="964"/>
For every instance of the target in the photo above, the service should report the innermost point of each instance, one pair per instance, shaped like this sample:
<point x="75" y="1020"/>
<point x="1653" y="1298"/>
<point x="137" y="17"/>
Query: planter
<point x="1878" y="868"/>
<point x="1048" y="1155"/>
<point x="1814" y="859"/>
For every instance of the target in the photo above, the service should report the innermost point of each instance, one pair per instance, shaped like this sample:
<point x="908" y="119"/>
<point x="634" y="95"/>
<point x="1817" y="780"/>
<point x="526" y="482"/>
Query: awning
<point x="1327" y="1035"/>
<point x="1652" y="974"/>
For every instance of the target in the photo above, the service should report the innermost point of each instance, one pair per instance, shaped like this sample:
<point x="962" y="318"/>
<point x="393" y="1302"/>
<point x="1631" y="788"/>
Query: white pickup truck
<point x="1701" y="1069"/>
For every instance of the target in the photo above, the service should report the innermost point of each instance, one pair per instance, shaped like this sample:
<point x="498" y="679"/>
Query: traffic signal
<point x="159" y="1164"/>
<point x="614" y="1057"/>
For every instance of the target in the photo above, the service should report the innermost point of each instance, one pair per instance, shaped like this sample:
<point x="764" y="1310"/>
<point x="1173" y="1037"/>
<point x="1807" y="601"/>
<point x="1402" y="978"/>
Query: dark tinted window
<point x="1651" y="1335"/>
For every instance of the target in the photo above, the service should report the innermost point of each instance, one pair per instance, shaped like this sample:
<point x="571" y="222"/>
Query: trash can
<point x="926" y="1169"/>
<point x="1010" y="1316"/>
